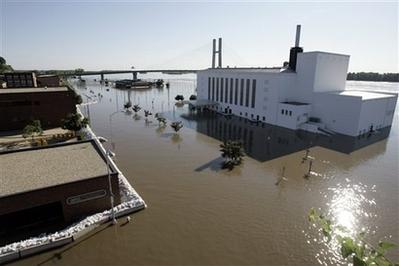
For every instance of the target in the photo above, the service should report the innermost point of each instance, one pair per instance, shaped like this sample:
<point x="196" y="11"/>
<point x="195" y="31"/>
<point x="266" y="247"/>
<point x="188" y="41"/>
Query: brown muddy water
<point x="199" y="214"/>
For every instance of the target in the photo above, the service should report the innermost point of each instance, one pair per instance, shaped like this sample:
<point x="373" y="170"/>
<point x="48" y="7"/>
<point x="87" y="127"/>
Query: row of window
<point x="286" y="112"/>
<point x="226" y="90"/>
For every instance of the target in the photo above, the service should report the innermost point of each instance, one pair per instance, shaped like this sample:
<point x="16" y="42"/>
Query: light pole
<point x="108" y="155"/>
<point x="111" y="194"/>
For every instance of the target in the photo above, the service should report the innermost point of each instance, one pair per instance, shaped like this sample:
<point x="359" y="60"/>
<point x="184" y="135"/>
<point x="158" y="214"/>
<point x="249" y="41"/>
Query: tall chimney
<point x="220" y="52"/>
<point x="295" y="50"/>
<point x="213" y="52"/>
<point x="298" y="35"/>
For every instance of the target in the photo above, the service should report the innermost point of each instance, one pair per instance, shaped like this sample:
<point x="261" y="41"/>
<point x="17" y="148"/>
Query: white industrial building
<point x="307" y="93"/>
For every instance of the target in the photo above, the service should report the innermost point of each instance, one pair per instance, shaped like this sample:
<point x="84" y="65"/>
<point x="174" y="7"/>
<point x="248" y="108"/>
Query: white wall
<point x="377" y="113"/>
<point x="319" y="72"/>
<point x="291" y="116"/>
<point x="339" y="113"/>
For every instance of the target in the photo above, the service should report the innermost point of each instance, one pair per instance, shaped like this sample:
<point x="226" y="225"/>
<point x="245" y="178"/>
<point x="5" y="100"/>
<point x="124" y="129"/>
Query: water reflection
<point x="265" y="142"/>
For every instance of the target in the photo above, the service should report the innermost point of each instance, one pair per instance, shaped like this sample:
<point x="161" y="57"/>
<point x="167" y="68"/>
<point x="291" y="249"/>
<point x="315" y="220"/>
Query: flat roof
<point x="32" y="90"/>
<point x="247" y="69"/>
<point x="37" y="168"/>
<point x="365" y="95"/>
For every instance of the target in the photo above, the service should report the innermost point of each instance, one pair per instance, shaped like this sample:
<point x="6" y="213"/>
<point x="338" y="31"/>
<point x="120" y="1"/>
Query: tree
<point x="354" y="249"/>
<point x="233" y="152"/>
<point x="2" y="61"/>
<point x="74" y="122"/>
<point x="147" y="113"/>
<point x="176" y="125"/>
<point x="179" y="97"/>
<point x="127" y="105"/>
<point x="193" y="97"/>
<point x="33" y="129"/>
<point x="161" y="120"/>
<point x="136" y="108"/>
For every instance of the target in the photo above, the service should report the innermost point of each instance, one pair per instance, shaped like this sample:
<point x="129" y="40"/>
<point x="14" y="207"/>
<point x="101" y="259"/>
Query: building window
<point x="247" y="93"/>
<point x="290" y="113"/>
<point x="263" y="118"/>
<point x="209" y="88"/>
<point x="282" y="111"/>
<point x="213" y="89"/>
<point x="242" y="92"/>
<point x="246" y="114"/>
<point x="226" y="90"/>
<point x="231" y="91"/>
<point x="240" y="113"/>
<point x="236" y="93"/>
<point x="253" y="93"/>
<point x="221" y="89"/>
<point x="217" y="89"/>
<point x="286" y="112"/>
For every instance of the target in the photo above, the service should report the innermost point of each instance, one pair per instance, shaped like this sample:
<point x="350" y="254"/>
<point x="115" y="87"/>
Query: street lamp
<point x="108" y="156"/>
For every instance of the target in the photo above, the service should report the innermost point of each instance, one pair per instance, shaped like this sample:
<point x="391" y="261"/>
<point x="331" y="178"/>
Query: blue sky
<point x="117" y="35"/>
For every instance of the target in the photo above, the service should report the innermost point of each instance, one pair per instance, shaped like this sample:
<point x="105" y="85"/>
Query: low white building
<point x="308" y="93"/>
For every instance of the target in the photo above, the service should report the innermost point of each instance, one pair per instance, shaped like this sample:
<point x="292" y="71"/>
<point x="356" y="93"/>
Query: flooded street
<point x="199" y="214"/>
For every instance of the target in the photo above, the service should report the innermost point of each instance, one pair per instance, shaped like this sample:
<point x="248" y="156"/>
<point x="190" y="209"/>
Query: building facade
<point x="307" y="94"/>
<point x="69" y="182"/>
<point x="20" y="106"/>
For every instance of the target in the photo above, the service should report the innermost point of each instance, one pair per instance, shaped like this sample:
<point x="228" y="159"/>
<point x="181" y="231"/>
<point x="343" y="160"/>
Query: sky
<point x="97" y="35"/>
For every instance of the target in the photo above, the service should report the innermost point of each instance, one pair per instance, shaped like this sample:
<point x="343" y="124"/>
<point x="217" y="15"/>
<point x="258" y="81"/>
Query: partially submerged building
<point x="54" y="185"/>
<point x="308" y="93"/>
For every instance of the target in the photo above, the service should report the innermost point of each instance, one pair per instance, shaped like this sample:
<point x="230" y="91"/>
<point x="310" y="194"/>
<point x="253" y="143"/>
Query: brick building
<point x="42" y="188"/>
<point x="19" y="106"/>
<point x="20" y="79"/>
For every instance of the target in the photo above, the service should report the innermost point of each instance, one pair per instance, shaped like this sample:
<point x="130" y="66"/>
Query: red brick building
<point x="19" y="106"/>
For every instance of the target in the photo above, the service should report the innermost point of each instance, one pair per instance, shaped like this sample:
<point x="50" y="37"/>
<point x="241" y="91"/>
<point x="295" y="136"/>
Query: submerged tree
<point x="176" y="125"/>
<point x="127" y="105"/>
<point x="179" y="97"/>
<point x="74" y="122"/>
<point x="33" y="129"/>
<point x="136" y="108"/>
<point x="233" y="152"/>
<point x="356" y="250"/>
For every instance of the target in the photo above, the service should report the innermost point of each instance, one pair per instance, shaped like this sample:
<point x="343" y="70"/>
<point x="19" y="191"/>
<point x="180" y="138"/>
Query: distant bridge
<point x="134" y="72"/>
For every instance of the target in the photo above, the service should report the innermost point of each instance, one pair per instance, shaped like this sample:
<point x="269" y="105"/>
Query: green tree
<point x="136" y="108"/>
<point x="354" y="249"/>
<point x="176" y="125"/>
<point x="33" y="129"/>
<point x="74" y="122"/>
<point x="179" y="97"/>
<point x="233" y="153"/>
<point x="2" y="61"/>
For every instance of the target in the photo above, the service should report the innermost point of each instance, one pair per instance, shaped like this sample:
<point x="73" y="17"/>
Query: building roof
<point x="37" y="168"/>
<point x="32" y="90"/>
<point x="247" y="69"/>
<point x="365" y="95"/>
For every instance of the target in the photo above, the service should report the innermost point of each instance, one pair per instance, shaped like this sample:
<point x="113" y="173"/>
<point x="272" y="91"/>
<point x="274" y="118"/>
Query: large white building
<point x="307" y="93"/>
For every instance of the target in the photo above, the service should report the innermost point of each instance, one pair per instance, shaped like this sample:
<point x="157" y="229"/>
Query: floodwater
<point x="199" y="214"/>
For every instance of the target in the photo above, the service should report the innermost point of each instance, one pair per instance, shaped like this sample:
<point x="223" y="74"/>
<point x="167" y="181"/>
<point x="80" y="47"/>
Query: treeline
<point x="373" y="76"/>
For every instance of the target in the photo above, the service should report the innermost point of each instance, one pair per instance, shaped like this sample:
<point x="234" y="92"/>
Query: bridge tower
<point x="218" y="51"/>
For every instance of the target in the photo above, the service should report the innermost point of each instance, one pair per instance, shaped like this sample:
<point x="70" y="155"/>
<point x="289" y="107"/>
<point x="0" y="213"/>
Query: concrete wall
<point x="339" y="113"/>
<point x="271" y="88"/>
<point x="291" y="116"/>
<point x="376" y="113"/>
<point x="319" y="72"/>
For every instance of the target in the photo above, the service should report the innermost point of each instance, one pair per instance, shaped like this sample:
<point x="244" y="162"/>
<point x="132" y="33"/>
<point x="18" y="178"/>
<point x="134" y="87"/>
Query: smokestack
<point x="213" y="53"/>
<point x="220" y="52"/>
<point x="298" y="35"/>
<point x="295" y="50"/>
